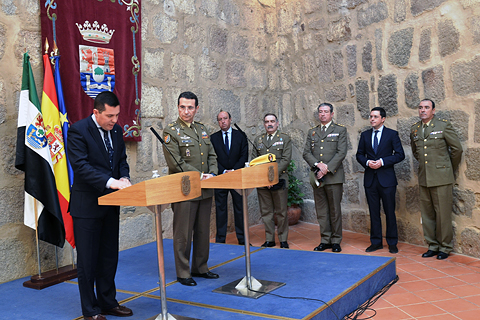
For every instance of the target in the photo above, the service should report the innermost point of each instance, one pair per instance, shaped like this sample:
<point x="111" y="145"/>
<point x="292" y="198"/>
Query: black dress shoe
<point x="392" y="248"/>
<point x="322" y="247"/>
<point x="269" y="244"/>
<point x="242" y="243"/>
<point x="442" y="255"/>
<point x="95" y="317"/>
<point x="187" y="281"/>
<point x="284" y="244"/>
<point x="336" y="247"/>
<point x="374" y="247"/>
<point x="206" y="275"/>
<point x="429" y="254"/>
<point x="119" y="311"/>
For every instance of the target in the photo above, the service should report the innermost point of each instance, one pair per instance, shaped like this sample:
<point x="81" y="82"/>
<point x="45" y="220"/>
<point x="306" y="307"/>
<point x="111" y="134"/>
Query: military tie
<point x="375" y="142"/>
<point x="323" y="129"/>
<point x="109" y="146"/>
<point x="425" y="135"/>
<point x="227" y="144"/>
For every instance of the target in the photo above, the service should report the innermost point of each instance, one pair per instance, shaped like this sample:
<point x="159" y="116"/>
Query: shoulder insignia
<point x="340" y="125"/>
<point x="171" y="124"/>
<point x="167" y="138"/>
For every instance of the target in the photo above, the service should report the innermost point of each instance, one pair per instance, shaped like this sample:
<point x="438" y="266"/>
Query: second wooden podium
<point x="243" y="179"/>
<point x="158" y="192"/>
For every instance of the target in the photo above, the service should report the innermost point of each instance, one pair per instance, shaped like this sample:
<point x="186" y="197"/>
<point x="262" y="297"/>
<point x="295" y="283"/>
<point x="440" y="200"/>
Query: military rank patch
<point x="167" y="138"/>
<point x="204" y="135"/>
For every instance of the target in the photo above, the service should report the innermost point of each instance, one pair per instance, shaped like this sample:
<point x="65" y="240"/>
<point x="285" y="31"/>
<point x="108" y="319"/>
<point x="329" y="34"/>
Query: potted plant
<point x="295" y="195"/>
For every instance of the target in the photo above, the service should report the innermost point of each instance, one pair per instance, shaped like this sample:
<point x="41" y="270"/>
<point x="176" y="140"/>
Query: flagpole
<point x="36" y="236"/>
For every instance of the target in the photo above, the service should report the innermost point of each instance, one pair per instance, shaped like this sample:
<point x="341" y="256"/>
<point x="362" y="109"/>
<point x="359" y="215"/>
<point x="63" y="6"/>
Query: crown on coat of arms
<point x="95" y="33"/>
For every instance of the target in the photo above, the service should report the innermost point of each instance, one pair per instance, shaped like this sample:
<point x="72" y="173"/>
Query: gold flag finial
<point x="46" y="46"/>
<point x="55" y="48"/>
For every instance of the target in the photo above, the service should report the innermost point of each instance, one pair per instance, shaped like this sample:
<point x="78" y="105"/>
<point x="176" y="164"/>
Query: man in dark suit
<point x="96" y="152"/>
<point x="231" y="148"/>
<point x="378" y="150"/>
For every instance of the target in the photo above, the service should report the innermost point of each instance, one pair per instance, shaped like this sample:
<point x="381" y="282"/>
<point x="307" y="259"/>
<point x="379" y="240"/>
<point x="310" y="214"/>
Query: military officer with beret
<point x="189" y="143"/>
<point x="273" y="199"/>
<point x="324" y="151"/>
<point x="438" y="150"/>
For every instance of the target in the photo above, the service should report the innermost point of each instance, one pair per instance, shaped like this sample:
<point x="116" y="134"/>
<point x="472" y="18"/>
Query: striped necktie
<point x="109" y="146"/>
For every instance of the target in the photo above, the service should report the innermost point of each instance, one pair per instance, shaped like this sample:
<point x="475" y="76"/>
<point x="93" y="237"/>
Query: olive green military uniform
<point x="438" y="151"/>
<point x="193" y="150"/>
<point x="274" y="202"/>
<point x="330" y="148"/>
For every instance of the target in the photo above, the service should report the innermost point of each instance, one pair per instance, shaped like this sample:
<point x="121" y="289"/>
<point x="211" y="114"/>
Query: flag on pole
<point x="67" y="220"/>
<point x="63" y="112"/>
<point x="33" y="157"/>
<point x="54" y="134"/>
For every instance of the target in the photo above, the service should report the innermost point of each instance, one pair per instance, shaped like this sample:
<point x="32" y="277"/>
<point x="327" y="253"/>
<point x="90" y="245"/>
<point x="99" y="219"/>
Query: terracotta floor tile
<point x="381" y="304"/>
<point x="403" y="299"/>
<point x="435" y="295"/>
<point x="456" y="305"/>
<point x="445" y="316"/>
<point x="469" y="277"/>
<point x="468" y="315"/>
<point x="414" y="267"/>
<point x="407" y="276"/>
<point x="473" y="299"/>
<point x="394" y="290"/>
<point x="447" y="282"/>
<point x="422" y="309"/>
<point x="389" y="314"/>
<point x="414" y="286"/>
<point x="456" y="270"/>
<point x="428" y="274"/>
<point x="464" y="290"/>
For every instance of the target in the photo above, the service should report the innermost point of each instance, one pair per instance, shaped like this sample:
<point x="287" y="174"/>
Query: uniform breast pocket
<point x="332" y="139"/>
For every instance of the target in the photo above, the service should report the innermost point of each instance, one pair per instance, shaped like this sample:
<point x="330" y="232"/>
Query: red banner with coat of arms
<point x="99" y="42"/>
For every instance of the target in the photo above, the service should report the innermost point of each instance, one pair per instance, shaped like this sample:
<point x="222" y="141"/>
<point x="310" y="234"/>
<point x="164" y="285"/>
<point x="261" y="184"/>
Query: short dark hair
<point x="270" y="114"/>
<point x="325" y="104"/>
<point x="433" y="103"/>
<point x="229" y="115"/>
<point x="188" y="95"/>
<point x="103" y="98"/>
<point x="383" y="113"/>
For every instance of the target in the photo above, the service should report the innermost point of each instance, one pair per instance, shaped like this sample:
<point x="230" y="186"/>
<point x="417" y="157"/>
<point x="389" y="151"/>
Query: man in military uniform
<point x="324" y="151"/>
<point x="438" y="150"/>
<point x="189" y="143"/>
<point x="273" y="199"/>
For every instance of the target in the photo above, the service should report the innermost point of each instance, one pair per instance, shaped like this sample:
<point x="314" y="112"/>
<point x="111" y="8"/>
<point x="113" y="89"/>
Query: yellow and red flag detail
<point x="53" y="127"/>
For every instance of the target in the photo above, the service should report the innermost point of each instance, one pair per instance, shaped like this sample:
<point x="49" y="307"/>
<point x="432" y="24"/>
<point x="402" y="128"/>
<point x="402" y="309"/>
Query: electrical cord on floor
<point x="298" y="298"/>
<point x="356" y="313"/>
<point x="367" y="304"/>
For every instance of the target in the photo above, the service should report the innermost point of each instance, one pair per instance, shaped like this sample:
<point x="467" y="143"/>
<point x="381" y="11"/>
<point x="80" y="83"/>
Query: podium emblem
<point x="271" y="173"/>
<point x="186" y="185"/>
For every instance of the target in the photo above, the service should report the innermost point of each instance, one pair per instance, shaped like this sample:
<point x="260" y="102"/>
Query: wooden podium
<point x="158" y="192"/>
<point x="244" y="179"/>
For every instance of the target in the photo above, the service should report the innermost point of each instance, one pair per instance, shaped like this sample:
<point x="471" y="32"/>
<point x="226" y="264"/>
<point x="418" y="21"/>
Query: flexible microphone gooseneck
<point x="163" y="142"/>
<point x="238" y="128"/>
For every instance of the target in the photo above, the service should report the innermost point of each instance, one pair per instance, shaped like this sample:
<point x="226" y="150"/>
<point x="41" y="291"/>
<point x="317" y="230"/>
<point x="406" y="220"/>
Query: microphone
<point x="238" y="128"/>
<point x="163" y="142"/>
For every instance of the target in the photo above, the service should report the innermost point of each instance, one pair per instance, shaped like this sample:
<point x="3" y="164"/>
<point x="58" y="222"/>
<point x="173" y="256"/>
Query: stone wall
<point x="253" y="57"/>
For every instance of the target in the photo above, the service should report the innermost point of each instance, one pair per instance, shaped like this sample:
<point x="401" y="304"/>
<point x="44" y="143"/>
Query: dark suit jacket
<point x="238" y="151"/>
<point x="389" y="149"/>
<point x="91" y="167"/>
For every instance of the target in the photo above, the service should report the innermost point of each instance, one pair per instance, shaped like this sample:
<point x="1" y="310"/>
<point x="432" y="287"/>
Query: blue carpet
<point x="344" y="281"/>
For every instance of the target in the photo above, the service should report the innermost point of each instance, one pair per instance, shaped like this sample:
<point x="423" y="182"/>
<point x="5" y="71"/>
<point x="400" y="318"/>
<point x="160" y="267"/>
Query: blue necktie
<point x="227" y="144"/>
<point x="109" y="146"/>
<point x="375" y="142"/>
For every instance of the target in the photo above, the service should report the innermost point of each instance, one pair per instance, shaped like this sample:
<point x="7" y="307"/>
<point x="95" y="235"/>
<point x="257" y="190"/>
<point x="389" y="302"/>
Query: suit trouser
<point x="97" y="258"/>
<point x="329" y="212"/>
<point x="387" y="194"/>
<point x="221" y="212"/>
<point x="274" y="202"/>
<point x="191" y="219"/>
<point x="436" y="208"/>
